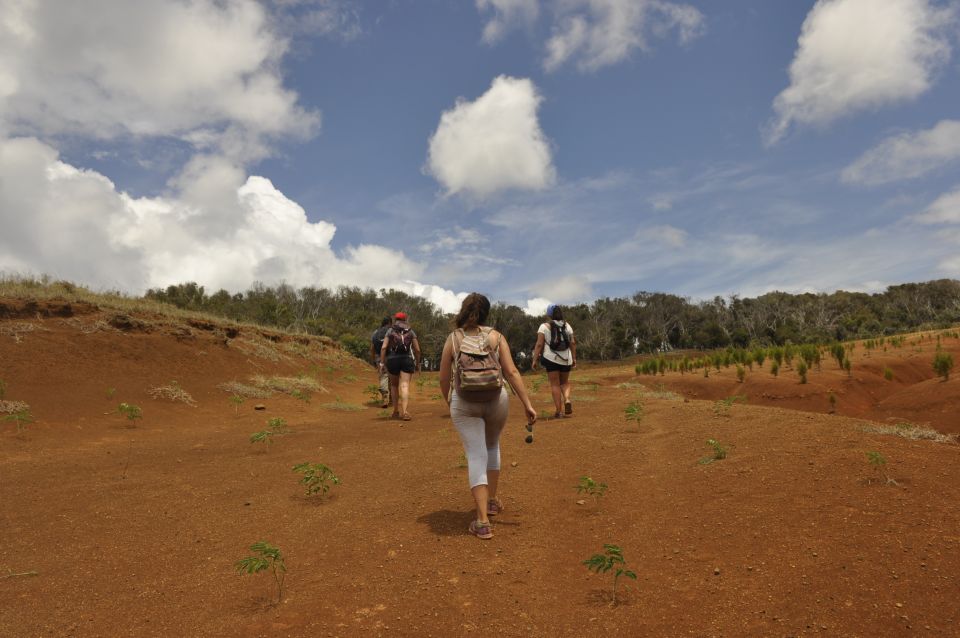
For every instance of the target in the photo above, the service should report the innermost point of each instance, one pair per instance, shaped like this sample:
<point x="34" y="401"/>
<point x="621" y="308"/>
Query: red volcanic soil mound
<point x="132" y="528"/>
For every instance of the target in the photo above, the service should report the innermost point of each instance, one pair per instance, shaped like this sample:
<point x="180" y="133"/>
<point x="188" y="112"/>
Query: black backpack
<point x="559" y="339"/>
<point x="400" y="338"/>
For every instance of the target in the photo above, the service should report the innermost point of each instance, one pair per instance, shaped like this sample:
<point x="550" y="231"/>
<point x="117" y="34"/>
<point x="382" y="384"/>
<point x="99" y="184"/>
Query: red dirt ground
<point x="134" y="531"/>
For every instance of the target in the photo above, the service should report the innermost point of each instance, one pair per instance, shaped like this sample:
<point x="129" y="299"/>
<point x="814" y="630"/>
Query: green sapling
<point x="266" y="556"/>
<point x="611" y="559"/>
<point x="317" y="477"/>
<point x="21" y="418"/>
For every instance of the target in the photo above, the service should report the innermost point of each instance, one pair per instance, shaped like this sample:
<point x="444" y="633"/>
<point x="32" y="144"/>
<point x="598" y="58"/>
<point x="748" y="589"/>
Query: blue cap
<point x="550" y="309"/>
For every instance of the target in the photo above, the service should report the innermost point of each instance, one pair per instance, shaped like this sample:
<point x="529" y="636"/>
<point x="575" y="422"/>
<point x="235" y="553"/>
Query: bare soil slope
<point x="133" y="531"/>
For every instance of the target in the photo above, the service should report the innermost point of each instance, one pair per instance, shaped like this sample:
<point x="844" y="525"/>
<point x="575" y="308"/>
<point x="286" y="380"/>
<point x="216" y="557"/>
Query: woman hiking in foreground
<point x="477" y="359"/>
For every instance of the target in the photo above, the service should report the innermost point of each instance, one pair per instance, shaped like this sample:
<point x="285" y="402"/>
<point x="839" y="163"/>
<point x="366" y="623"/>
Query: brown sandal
<point x="406" y="417"/>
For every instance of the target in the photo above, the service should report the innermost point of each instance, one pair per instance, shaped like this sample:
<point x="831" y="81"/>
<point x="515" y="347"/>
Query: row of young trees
<point x="608" y="328"/>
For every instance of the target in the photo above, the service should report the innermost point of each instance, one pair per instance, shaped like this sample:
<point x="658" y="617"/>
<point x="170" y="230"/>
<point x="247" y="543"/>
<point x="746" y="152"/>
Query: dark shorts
<point x="401" y="364"/>
<point x="550" y="366"/>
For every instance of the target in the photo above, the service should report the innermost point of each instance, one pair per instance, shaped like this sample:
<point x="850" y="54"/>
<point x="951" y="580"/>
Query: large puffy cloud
<point x="507" y="14"/>
<point x="907" y="155"/>
<point x="198" y="70"/>
<point x="75" y="224"/>
<point x="493" y="143"/>
<point x="860" y="54"/>
<point x="199" y="74"/>
<point x="598" y="33"/>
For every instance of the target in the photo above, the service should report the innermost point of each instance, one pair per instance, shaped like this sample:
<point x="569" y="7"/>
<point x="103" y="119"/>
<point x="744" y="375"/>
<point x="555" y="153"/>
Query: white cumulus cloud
<point x="854" y="55"/>
<point x="907" y="155"/>
<point x="507" y="15"/>
<point x="493" y="143"/>
<point x="75" y="224"/>
<point x="598" y="33"/>
<point x="199" y="70"/>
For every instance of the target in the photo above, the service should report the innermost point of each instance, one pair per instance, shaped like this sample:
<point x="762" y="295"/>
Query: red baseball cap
<point x="401" y="316"/>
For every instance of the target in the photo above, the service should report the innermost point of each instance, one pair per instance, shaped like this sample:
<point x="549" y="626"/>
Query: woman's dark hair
<point x="386" y="322"/>
<point x="557" y="313"/>
<point x="473" y="311"/>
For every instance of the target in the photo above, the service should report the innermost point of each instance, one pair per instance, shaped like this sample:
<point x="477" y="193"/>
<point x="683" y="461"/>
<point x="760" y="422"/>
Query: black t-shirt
<point x="377" y="338"/>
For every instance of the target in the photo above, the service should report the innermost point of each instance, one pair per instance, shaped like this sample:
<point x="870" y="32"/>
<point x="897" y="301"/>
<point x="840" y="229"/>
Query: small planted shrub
<point x="265" y="556"/>
<point x="888" y="374"/>
<point x="610" y="560"/>
<point x="302" y="395"/>
<point x="278" y="425"/>
<point x="741" y="373"/>
<point x="802" y="370"/>
<point x="775" y="368"/>
<point x="832" y="398"/>
<point x="634" y="412"/>
<point x="132" y="412"/>
<point x="848" y="366"/>
<point x="719" y="452"/>
<point x="21" y="419"/>
<point x="878" y="462"/>
<point x="592" y="489"/>
<point x="317" y="477"/>
<point x="943" y="364"/>
<point x="722" y="407"/>
<point x="275" y="426"/>
<point x="237" y="401"/>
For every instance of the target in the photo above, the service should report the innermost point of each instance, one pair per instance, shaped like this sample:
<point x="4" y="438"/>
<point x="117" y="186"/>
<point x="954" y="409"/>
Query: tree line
<point x="607" y="329"/>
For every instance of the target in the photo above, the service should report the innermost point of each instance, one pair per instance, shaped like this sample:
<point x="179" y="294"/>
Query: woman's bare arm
<point x="446" y="364"/>
<point x="537" y="351"/>
<point x="512" y="375"/>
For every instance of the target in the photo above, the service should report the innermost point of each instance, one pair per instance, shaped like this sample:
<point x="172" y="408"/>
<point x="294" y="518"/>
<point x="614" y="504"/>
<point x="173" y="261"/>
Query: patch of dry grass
<point x="342" y="406"/>
<point x="172" y="392"/>
<point x="89" y="328"/>
<point x="13" y="407"/>
<point x="244" y="390"/>
<point x="288" y="385"/>
<point x="18" y="328"/>
<point x="911" y="431"/>
<point x="260" y="348"/>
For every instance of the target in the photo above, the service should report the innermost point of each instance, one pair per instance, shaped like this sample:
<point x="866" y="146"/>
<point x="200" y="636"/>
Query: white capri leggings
<point x="480" y="425"/>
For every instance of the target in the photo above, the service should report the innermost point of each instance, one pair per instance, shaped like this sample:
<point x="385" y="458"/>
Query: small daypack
<point x="476" y="368"/>
<point x="400" y="339"/>
<point x="559" y="339"/>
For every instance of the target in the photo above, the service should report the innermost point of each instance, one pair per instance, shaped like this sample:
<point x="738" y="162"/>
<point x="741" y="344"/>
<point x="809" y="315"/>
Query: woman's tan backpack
<point x="476" y="367"/>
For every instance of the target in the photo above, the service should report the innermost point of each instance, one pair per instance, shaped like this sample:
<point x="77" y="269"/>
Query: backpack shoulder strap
<point x="457" y="339"/>
<point x="486" y="330"/>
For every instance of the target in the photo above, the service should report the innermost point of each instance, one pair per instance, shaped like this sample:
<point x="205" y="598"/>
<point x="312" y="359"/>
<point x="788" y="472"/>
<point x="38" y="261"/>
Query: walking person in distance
<point x="556" y="351"/>
<point x="475" y="362"/>
<point x="376" y="345"/>
<point x="400" y="357"/>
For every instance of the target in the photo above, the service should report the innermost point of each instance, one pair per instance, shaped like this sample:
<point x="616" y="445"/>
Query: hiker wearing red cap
<point x="400" y="357"/>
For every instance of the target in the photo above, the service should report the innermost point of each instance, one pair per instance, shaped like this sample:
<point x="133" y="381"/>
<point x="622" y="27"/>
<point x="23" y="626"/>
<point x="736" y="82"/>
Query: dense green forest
<point x="608" y="328"/>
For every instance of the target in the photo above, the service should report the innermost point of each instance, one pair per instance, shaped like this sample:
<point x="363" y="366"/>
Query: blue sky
<point x="534" y="150"/>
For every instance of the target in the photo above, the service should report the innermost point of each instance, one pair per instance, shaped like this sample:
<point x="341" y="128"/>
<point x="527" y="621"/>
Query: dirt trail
<point x="134" y="531"/>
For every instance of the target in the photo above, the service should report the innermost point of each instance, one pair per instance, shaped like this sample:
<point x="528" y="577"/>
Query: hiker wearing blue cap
<point x="556" y="350"/>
